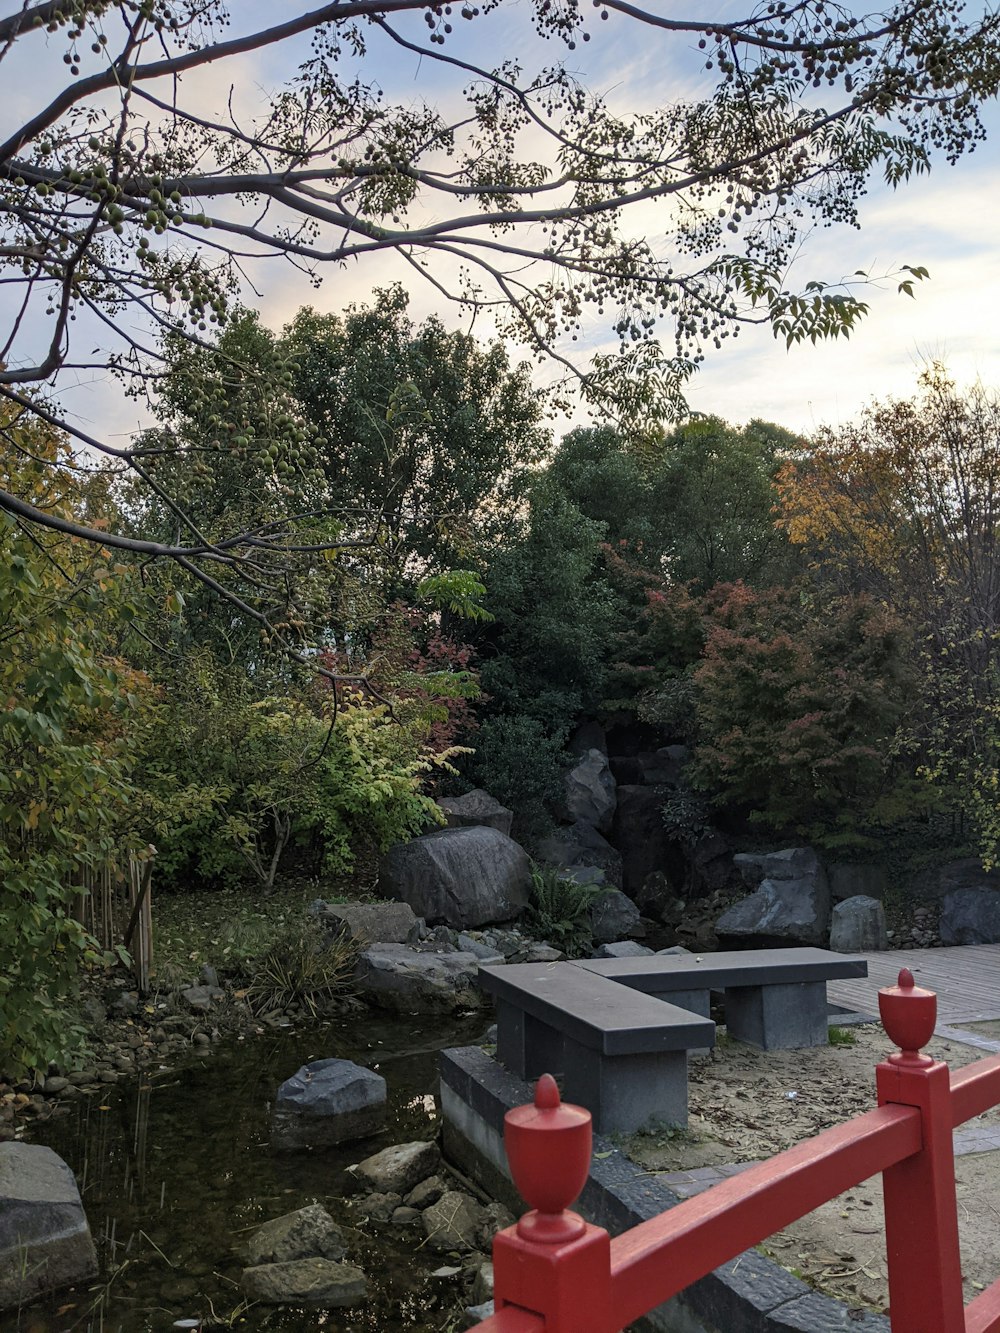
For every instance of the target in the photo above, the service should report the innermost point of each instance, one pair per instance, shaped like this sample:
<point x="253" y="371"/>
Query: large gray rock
<point x="850" y="880"/>
<point x="45" y="1242"/>
<point x="370" y="923"/>
<point x="581" y="845"/>
<point x="405" y="980"/>
<point x="640" y="833"/>
<point x="477" y="809"/>
<point x="398" y="1168"/>
<point x="315" y="1284"/>
<point x="328" y="1102"/>
<point x="465" y="877"/>
<point x="308" y="1233"/>
<point x="858" y="924"/>
<point x="591" y="792"/>
<point x="782" y="911"/>
<point x="789" y="863"/>
<point x="970" y="916"/>
<point x="614" y="917"/>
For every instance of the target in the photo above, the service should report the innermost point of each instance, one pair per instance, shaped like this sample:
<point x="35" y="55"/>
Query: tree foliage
<point x="65" y="708"/>
<point x="133" y="206"/>
<point x="906" y="506"/>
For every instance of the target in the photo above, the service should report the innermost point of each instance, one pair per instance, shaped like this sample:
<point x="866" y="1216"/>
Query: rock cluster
<point x="296" y="1260"/>
<point x="408" y="1186"/>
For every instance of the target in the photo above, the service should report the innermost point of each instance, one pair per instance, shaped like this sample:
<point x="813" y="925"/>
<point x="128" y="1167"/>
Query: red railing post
<point x="552" y="1262"/>
<point x="921" y="1215"/>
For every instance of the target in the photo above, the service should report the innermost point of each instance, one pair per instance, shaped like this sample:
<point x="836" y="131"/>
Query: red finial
<point x="909" y="1015"/>
<point x="547" y="1093"/>
<point x="548" y="1148"/>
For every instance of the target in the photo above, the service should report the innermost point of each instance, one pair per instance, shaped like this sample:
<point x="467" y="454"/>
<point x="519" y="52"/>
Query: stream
<point x="174" y="1169"/>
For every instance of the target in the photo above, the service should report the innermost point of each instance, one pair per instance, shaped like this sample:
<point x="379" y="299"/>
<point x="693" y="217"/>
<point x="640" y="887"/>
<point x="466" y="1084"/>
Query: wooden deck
<point x="966" y="979"/>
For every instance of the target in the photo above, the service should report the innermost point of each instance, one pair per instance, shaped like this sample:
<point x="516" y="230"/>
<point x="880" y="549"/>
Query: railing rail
<point x="554" y="1273"/>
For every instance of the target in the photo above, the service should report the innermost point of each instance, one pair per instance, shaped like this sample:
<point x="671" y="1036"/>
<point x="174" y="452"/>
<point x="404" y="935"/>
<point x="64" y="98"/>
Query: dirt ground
<point x="746" y="1105"/>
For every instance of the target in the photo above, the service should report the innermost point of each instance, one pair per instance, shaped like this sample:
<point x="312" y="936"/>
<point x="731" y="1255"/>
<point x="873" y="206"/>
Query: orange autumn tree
<point x="905" y="507"/>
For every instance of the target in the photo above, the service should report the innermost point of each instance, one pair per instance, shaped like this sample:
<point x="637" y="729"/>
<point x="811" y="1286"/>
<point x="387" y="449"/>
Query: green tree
<point x="427" y="436"/>
<point x="715" y="486"/>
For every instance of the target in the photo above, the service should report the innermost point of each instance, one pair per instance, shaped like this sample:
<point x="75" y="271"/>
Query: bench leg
<point x="526" y="1046"/>
<point x="780" y="1017"/>
<point x="626" y="1092"/>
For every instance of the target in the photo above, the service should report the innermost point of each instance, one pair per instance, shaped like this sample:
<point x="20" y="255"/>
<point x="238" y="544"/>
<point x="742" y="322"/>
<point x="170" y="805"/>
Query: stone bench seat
<point x="774" y="998"/>
<point x="620" y="1052"/>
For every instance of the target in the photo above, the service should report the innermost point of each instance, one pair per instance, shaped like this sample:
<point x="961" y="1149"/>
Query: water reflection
<point x="176" y="1169"/>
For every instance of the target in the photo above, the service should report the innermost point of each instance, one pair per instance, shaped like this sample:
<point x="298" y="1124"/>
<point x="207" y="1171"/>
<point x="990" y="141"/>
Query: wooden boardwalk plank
<point x="966" y="979"/>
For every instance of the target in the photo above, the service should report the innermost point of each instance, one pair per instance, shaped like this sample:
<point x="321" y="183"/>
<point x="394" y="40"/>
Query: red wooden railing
<point x="556" y="1273"/>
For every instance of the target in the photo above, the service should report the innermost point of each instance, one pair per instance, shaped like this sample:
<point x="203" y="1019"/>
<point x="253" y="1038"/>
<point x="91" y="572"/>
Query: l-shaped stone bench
<point x="619" y="1030"/>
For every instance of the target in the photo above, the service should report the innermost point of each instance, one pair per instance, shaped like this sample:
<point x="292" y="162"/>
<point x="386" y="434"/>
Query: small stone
<point x="379" y="1207"/>
<point x="454" y="1222"/>
<point x="404" y="1216"/>
<point x="316" y="1284"/>
<point x="398" y="1168"/>
<point x="55" y="1085"/>
<point x="426" y="1193"/>
<point x="482" y="1286"/>
<point x="308" y="1233"/>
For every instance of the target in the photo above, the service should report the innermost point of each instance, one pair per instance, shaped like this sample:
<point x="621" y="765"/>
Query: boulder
<point x="970" y="916"/>
<point x="967" y="873"/>
<point x="465" y="877"/>
<point x="581" y="845"/>
<point x="789" y="863"/>
<point x="314" y="1284"/>
<point x="639" y="832"/>
<point x="454" y="1222"/>
<point x="407" y="980"/>
<point x="591" y="792"/>
<point x="308" y="1233"/>
<point x="327" y="1102"/>
<point x="614" y="917"/>
<point x="858" y="924"/>
<point x="622" y="949"/>
<point x="399" y="1168"/>
<point x="782" y="911"/>
<point x="45" y="1242"/>
<point x="477" y="809"/>
<point x="201" y="998"/>
<point x="856" y="881"/>
<point x="711" y="860"/>
<point x="370" y="923"/>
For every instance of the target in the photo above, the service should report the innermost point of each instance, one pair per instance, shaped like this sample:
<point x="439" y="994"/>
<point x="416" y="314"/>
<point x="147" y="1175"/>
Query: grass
<point x="229" y="928"/>
<point x="841" y="1037"/>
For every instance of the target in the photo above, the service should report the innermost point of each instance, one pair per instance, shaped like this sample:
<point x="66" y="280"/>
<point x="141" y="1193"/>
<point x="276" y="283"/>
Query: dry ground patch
<point x="746" y="1105"/>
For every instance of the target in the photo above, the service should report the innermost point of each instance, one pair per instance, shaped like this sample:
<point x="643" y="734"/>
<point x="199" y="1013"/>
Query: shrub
<point x="304" y="965"/>
<point x="559" y="910"/>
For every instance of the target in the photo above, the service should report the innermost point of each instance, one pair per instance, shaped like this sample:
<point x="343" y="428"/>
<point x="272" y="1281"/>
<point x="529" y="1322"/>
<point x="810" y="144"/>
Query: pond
<point x="175" y="1168"/>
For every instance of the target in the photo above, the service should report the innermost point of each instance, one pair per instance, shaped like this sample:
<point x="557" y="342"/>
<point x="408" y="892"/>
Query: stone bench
<point x="619" y="1052"/>
<point x="774" y="998"/>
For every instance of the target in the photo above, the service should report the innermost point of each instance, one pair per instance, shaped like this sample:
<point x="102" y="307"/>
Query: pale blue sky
<point x="945" y="221"/>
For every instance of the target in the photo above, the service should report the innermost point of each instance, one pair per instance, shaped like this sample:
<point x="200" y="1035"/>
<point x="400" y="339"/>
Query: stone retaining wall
<point x="751" y="1294"/>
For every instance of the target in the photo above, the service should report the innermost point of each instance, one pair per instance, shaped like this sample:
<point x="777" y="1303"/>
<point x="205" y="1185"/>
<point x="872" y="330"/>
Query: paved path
<point x="966" y="979"/>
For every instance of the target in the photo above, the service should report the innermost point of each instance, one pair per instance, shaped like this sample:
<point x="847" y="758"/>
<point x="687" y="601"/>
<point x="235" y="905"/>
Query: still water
<point x="175" y="1168"/>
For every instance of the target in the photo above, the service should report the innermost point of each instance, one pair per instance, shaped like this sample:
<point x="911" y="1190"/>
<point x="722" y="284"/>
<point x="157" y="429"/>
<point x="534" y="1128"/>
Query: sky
<point x="945" y="221"/>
